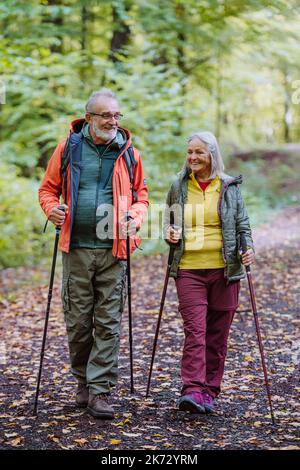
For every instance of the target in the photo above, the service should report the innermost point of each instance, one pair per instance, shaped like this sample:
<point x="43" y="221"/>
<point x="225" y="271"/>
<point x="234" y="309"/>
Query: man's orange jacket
<point x="52" y="188"/>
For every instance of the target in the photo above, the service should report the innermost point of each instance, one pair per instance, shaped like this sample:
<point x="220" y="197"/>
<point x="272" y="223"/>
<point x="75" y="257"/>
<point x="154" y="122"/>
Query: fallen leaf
<point x="81" y="442"/>
<point x="17" y="441"/>
<point x="257" y="424"/>
<point x="53" y="438"/>
<point x="115" y="442"/>
<point x="248" y="359"/>
<point x="290" y="448"/>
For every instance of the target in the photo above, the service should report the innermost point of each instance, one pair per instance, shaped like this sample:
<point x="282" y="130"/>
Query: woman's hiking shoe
<point x="209" y="402"/>
<point x="192" y="402"/>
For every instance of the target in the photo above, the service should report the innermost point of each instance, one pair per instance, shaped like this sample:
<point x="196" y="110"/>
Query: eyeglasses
<point x="107" y="116"/>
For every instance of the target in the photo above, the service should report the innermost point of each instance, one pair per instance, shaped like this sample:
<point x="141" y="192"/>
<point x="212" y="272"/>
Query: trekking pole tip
<point x="273" y="420"/>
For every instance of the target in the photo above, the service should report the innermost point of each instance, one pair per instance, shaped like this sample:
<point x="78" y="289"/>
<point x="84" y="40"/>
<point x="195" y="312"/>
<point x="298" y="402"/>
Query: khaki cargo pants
<point x="93" y="296"/>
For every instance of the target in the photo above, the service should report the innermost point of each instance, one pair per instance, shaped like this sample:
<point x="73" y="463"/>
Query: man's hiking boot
<point x="82" y="395"/>
<point x="192" y="402"/>
<point x="99" y="407"/>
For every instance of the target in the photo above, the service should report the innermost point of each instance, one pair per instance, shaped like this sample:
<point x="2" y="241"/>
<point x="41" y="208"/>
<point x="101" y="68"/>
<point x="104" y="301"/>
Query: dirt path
<point x="284" y="229"/>
<point x="241" y="420"/>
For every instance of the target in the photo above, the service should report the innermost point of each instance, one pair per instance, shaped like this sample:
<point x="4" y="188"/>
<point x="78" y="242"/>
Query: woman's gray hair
<point x="217" y="165"/>
<point x="105" y="92"/>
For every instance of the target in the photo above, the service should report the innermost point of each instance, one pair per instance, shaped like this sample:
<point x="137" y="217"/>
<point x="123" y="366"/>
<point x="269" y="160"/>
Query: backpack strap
<point x="65" y="160"/>
<point x="72" y="141"/>
<point x="130" y="164"/>
<point x="66" y="155"/>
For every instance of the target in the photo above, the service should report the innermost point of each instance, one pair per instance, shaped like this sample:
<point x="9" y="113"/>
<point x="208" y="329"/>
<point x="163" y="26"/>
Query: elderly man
<point x="100" y="177"/>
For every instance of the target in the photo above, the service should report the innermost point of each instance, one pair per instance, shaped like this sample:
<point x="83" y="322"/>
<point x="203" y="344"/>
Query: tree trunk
<point x="287" y="109"/>
<point x="218" y="100"/>
<point x="121" y="32"/>
<point x="182" y="65"/>
<point x="84" y="19"/>
<point x="84" y="46"/>
<point x="58" y="21"/>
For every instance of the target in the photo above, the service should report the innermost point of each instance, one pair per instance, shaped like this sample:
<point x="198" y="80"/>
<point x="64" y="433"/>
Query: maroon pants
<point x="207" y="306"/>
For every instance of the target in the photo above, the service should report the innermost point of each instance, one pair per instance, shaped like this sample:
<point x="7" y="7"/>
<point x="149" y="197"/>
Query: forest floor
<point x="241" y="419"/>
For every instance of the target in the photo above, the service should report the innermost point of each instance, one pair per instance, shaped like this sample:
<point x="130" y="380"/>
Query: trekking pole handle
<point x="171" y="255"/>
<point x="172" y="252"/>
<point x="244" y="247"/>
<point x="61" y="208"/>
<point x="243" y="242"/>
<point x="128" y="217"/>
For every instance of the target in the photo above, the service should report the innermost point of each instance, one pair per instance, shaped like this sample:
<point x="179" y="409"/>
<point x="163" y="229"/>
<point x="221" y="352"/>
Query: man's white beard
<point x="106" y="136"/>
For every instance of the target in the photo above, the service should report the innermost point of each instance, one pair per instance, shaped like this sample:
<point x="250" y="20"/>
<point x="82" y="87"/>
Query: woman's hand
<point x="173" y="233"/>
<point x="248" y="257"/>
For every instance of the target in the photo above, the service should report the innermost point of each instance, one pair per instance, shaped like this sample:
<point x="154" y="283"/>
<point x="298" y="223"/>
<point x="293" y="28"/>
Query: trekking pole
<point x="129" y="307"/>
<point x="57" y="230"/>
<point x="162" y="302"/>
<point x="258" y="333"/>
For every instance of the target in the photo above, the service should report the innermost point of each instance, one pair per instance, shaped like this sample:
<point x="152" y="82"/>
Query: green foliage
<point x="21" y="221"/>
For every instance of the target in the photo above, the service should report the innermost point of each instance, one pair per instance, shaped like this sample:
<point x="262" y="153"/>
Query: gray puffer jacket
<point x="234" y="220"/>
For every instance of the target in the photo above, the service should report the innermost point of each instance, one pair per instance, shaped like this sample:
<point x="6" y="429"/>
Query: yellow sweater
<point x="203" y="234"/>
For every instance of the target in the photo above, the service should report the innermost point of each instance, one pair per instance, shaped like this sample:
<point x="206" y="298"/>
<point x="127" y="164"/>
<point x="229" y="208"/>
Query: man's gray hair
<point x="217" y="165"/>
<point x="105" y="92"/>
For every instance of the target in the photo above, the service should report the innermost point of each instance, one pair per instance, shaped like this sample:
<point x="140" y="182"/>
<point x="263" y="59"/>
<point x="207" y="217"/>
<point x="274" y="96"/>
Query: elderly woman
<point x="205" y="222"/>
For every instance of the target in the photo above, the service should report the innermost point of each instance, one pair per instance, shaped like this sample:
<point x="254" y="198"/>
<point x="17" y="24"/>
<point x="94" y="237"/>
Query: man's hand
<point x="248" y="257"/>
<point x="57" y="216"/>
<point x="128" y="227"/>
